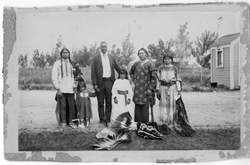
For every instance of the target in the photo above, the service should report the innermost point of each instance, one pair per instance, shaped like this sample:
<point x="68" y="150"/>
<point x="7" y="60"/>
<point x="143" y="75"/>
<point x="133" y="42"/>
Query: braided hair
<point x="63" y="49"/>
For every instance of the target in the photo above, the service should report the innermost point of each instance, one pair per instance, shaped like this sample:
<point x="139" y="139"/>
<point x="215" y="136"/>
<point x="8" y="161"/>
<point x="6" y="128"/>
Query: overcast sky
<point x="40" y="30"/>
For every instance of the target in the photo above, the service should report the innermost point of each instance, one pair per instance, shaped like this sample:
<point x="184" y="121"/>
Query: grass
<point x="204" y="139"/>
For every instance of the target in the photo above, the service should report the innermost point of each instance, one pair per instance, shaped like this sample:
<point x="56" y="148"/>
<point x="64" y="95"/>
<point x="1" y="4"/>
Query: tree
<point x="38" y="60"/>
<point x="55" y="55"/>
<point x="203" y="44"/>
<point x="158" y="51"/>
<point x="125" y="55"/>
<point x="82" y="56"/>
<point x="50" y="59"/>
<point x="93" y="50"/>
<point x="182" y="43"/>
<point x="127" y="51"/>
<point x="59" y="46"/>
<point x="116" y="53"/>
<point x="23" y="60"/>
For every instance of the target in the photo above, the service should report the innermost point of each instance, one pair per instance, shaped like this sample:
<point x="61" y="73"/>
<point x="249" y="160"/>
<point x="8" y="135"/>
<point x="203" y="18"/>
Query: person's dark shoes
<point x="164" y="129"/>
<point x="62" y="127"/>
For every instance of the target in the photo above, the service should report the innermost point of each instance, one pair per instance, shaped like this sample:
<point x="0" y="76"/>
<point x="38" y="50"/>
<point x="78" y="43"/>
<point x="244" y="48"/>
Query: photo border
<point x="11" y="97"/>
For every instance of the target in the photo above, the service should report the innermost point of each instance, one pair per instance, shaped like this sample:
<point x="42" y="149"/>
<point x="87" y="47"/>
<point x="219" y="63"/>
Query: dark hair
<point x="63" y="50"/>
<point x="61" y="58"/>
<point x="103" y="43"/>
<point x="165" y="56"/>
<point x="123" y="71"/>
<point x="80" y="79"/>
<point x="144" y="51"/>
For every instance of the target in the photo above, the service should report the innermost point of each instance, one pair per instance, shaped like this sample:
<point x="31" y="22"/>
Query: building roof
<point x="224" y="40"/>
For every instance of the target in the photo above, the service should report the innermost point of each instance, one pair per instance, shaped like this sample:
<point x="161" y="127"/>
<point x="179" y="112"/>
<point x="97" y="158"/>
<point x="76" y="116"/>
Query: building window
<point x="219" y="58"/>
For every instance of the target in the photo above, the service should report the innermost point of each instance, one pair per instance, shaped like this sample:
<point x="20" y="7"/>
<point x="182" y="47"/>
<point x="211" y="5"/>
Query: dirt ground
<point x="205" y="110"/>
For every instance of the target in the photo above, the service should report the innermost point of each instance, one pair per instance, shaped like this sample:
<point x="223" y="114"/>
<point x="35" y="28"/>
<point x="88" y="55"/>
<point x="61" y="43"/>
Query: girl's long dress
<point x="121" y="86"/>
<point x="167" y="104"/>
<point x="83" y="103"/>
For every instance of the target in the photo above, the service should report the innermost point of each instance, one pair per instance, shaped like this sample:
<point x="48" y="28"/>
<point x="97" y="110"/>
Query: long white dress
<point x="169" y="94"/>
<point x="121" y="86"/>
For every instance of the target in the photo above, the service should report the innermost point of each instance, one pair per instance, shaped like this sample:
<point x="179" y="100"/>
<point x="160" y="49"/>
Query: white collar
<point x="143" y="62"/>
<point x="104" y="55"/>
<point x="63" y="60"/>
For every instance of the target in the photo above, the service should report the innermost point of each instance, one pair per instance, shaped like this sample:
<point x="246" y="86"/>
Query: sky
<point x="40" y="30"/>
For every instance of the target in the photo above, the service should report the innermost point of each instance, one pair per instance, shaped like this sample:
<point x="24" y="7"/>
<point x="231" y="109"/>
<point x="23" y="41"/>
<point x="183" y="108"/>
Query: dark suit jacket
<point x="97" y="69"/>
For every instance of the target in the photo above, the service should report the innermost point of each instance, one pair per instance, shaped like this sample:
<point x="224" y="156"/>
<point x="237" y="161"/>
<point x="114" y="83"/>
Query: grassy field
<point x="204" y="139"/>
<point x="40" y="79"/>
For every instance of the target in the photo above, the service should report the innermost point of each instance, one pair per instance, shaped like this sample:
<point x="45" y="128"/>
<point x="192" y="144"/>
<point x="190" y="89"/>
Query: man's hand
<point x="59" y="93"/>
<point x="128" y="101"/>
<point x="115" y="100"/>
<point x="96" y="88"/>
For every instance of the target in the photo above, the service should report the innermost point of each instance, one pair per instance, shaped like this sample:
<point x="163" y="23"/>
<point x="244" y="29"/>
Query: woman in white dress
<point x="122" y="94"/>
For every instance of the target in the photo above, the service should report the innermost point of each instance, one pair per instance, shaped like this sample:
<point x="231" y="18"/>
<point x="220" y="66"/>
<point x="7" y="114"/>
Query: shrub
<point x="35" y="76"/>
<point x="40" y="79"/>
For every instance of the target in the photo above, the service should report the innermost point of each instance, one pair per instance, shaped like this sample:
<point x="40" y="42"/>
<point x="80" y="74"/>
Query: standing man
<point x="63" y="73"/>
<point x="103" y="76"/>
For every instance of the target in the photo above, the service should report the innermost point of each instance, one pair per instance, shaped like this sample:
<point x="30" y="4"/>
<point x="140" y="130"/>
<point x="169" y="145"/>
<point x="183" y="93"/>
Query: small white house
<point x="225" y="61"/>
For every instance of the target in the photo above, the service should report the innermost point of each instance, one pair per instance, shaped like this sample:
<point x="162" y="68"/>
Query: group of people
<point x="149" y="81"/>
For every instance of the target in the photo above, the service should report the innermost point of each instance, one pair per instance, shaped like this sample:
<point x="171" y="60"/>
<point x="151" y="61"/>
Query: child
<point x="168" y="88"/>
<point x="122" y="94"/>
<point x="83" y="103"/>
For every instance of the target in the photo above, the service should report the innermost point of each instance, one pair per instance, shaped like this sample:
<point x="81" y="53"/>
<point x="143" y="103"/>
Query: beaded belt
<point x="167" y="84"/>
<point x="125" y="93"/>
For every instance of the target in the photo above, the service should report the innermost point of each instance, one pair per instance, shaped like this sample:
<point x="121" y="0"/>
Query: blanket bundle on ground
<point x="148" y="131"/>
<point x="181" y="123"/>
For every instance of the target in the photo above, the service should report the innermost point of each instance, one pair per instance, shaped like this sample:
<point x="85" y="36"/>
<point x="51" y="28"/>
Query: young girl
<point x="168" y="88"/>
<point x="122" y="95"/>
<point x="83" y="103"/>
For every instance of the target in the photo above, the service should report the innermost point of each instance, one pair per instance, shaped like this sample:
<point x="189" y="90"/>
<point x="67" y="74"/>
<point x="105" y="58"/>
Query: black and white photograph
<point x="166" y="79"/>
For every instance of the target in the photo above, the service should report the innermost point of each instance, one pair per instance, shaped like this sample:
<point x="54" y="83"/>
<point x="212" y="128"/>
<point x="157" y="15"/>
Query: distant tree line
<point x="180" y="48"/>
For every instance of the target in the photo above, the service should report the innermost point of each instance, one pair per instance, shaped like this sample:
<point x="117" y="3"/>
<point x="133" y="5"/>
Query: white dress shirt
<point x="106" y="65"/>
<point x="65" y="81"/>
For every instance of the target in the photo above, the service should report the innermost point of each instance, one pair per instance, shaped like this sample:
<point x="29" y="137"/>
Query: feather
<point x="109" y="144"/>
<point x="123" y="122"/>
<point x="122" y="126"/>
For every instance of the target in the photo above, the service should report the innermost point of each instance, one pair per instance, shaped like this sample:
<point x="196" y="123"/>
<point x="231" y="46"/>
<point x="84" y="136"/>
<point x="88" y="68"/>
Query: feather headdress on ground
<point x="121" y="127"/>
<point x="123" y="122"/>
<point x="111" y="141"/>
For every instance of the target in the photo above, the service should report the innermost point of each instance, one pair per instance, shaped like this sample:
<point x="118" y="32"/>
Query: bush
<point x="86" y="71"/>
<point x="190" y="74"/>
<point x="35" y="76"/>
<point x="40" y="79"/>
